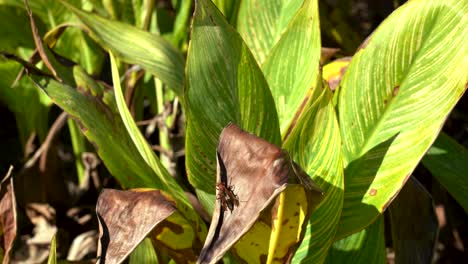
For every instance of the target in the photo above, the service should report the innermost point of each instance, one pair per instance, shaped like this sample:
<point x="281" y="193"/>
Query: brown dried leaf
<point x="126" y="218"/>
<point x="38" y="41"/>
<point x="251" y="173"/>
<point x="327" y="53"/>
<point x="8" y="226"/>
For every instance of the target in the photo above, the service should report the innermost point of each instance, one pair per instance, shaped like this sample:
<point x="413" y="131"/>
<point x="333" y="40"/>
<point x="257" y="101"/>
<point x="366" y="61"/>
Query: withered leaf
<point x="8" y="226"/>
<point x="126" y="218"/>
<point x="251" y="173"/>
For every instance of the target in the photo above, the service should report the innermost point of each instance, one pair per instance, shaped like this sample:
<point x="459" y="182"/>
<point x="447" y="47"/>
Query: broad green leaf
<point x="169" y="183"/>
<point x="224" y="84"/>
<point x="144" y="253"/>
<point x="315" y="144"/>
<point x="448" y="163"/>
<point x="135" y="46"/>
<point x="394" y="98"/>
<point x="366" y="246"/>
<point x="262" y="22"/>
<point x="291" y="67"/>
<point x="53" y="251"/>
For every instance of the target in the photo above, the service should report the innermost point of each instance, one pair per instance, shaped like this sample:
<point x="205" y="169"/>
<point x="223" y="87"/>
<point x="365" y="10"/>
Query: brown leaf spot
<point x="396" y="89"/>
<point x="373" y="192"/>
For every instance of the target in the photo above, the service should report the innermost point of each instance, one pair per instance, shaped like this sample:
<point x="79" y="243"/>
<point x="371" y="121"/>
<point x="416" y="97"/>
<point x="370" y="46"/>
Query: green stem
<point x="79" y="146"/>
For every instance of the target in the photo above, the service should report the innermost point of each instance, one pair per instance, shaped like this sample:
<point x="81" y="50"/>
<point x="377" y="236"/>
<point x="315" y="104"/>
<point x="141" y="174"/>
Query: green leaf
<point x="135" y="46"/>
<point x="224" y="84"/>
<point x="15" y="29"/>
<point x="314" y="144"/>
<point x="448" y="163"/>
<point x="144" y="253"/>
<point x="262" y="22"/>
<point x="229" y="8"/>
<point x="128" y="160"/>
<point x="394" y="98"/>
<point x="169" y="183"/>
<point x="53" y="251"/>
<point x="180" y="32"/>
<point x="95" y="110"/>
<point x="366" y="246"/>
<point x="292" y="65"/>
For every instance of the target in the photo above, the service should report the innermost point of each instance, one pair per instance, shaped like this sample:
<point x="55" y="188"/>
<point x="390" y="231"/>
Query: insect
<point x="226" y="196"/>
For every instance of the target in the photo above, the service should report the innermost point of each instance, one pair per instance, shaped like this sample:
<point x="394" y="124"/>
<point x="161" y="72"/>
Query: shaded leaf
<point x="448" y="163"/>
<point x="144" y="253"/>
<point x="243" y="159"/>
<point x="316" y="145"/>
<point x="16" y="27"/>
<point x="126" y="218"/>
<point x="366" y="246"/>
<point x="224" y="84"/>
<point x="29" y="104"/>
<point x="394" y="98"/>
<point x="135" y="46"/>
<point x="229" y="8"/>
<point x="8" y="215"/>
<point x="292" y="65"/>
<point x="414" y="224"/>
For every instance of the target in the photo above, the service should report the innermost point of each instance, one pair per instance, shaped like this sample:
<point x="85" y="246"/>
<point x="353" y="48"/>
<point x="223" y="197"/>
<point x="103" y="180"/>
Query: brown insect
<point x="226" y="196"/>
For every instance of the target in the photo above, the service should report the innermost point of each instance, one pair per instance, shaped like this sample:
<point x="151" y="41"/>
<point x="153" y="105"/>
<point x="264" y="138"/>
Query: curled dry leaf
<point x="127" y="217"/>
<point x="251" y="172"/>
<point x="8" y="226"/>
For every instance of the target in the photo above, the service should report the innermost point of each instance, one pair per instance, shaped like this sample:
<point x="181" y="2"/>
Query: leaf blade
<point x="393" y="100"/>
<point x="224" y="84"/>
<point x="136" y="46"/>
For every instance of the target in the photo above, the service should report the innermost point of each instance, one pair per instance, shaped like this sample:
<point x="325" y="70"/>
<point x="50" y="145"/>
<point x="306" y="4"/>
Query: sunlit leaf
<point x="394" y="98"/>
<point x="133" y="45"/>
<point x="315" y="144"/>
<point x="224" y="84"/>
<point x="292" y="65"/>
<point x="262" y="22"/>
